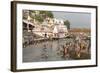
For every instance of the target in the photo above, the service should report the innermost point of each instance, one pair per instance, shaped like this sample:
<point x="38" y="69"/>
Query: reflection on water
<point x="56" y="50"/>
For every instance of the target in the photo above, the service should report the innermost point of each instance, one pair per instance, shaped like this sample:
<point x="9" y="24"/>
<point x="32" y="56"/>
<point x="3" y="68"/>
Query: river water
<point x="45" y="51"/>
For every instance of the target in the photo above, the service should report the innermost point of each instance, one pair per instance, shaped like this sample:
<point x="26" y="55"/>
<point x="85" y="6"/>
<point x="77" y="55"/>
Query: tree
<point x="46" y="14"/>
<point x="39" y="16"/>
<point x="67" y="23"/>
<point x="49" y="14"/>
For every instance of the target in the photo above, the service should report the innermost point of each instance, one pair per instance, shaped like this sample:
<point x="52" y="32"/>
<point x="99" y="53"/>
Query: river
<point x="46" y="51"/>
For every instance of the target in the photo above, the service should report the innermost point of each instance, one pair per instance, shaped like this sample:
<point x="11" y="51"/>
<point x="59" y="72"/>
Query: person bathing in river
<point x="65" y="51"/>
<point x="78" y="50"/>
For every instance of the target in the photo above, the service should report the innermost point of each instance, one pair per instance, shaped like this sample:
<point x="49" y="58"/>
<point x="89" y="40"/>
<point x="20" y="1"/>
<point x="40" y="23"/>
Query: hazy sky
<point x="77" y="20"/>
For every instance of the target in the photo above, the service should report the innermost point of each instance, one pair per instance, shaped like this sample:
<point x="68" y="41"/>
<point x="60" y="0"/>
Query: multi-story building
<point x="50" y="27"/>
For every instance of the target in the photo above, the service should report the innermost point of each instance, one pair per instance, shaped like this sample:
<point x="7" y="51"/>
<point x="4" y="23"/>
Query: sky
<point x="77" y="20"/>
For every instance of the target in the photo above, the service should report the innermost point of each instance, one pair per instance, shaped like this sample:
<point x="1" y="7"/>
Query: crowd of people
<point x="78" y="48"/>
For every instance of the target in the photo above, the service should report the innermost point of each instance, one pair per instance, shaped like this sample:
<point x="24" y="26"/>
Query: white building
<point x="50" y="28"/>
<point x="60" y="30"/>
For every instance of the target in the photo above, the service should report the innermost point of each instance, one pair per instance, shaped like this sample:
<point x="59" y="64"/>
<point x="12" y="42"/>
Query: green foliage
<point x="46" y="14"/>
<point x="39" y="18"/>
<point x="37" y="15"/>
<point x="67" y="23"/>
<point x="49" y="14"/>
